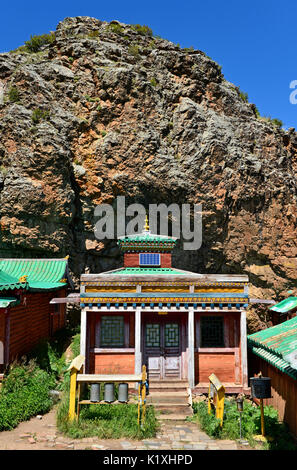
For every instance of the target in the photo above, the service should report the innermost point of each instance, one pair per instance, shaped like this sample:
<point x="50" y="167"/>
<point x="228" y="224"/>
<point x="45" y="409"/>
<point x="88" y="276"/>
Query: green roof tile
<point x="41" y="273"/>
<point x="279" y="341"/>
<point x="285" y="305"/>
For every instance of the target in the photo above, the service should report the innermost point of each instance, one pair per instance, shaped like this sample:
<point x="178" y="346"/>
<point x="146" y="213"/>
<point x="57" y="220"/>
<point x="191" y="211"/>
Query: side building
<point x="26" y="315"/>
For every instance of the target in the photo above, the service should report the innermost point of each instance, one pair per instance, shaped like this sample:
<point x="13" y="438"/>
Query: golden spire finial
<point x="146" y="224"/>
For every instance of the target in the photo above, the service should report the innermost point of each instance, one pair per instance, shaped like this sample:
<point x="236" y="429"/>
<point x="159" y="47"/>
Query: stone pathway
<point x="42" y="434"/>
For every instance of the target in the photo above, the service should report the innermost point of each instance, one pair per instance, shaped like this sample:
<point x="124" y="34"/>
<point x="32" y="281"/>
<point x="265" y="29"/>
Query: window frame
<point x="98" y="342"/>
<point x="222" y="345"/>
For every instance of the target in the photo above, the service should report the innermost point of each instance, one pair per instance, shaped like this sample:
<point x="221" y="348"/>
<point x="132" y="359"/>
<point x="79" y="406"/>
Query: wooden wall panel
<point x="220" y="364"/>
<point x="112" y="363"/>
<point x="30" y="322"/>
<point x="283" y="390"/>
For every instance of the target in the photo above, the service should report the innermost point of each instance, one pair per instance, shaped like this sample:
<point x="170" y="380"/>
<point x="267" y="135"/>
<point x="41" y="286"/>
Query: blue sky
<point x="254" y="41"/>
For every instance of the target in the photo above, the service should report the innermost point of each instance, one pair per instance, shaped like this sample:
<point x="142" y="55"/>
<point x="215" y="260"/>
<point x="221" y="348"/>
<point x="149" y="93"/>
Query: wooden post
<point x="73" y="375"/>
<point x="143" y="394"/>
<point x="75" y="367"/>
<point x="262" y="417"/>
<point x="220" y="405"/>
<point x="139" y="403"/>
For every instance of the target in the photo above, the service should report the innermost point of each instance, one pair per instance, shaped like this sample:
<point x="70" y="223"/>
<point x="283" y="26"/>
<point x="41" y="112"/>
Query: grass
<point x="251" y="424"/>
<point x="39" y="114"/>
<point x="107" y="422"/>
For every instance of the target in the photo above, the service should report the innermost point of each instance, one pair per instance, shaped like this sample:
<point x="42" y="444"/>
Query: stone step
<point x="168" y="393"/>
<point x="168" y="386"/>
<point x="172" y="417"/>
<point x="157" y="399"/>
<point x="173" y="407"/>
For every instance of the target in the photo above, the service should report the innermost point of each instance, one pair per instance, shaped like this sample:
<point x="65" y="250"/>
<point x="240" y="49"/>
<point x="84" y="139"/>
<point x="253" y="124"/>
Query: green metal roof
<point x="285" y="305"/>
<point x="8" y="301"/>
<point x="279" y="341"/>
<point x="41" y="273"/>
<point x="146" y="241"/>
<point x="276" y="361"/>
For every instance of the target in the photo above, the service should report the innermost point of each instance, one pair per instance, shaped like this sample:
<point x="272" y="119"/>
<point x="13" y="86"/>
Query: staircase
<point x="172" y="399"/>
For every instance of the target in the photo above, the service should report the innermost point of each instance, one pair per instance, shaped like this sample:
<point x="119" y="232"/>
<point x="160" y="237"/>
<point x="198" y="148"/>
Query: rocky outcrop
<point x="105" y="110"/>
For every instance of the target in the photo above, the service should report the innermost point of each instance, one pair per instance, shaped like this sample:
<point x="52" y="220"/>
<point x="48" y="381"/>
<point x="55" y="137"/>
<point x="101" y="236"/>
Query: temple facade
<point x="181" y="325"/>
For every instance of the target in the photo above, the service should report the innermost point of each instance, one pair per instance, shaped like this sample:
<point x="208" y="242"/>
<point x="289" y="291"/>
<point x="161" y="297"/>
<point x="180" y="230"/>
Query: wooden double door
<point x="162" y="349"/>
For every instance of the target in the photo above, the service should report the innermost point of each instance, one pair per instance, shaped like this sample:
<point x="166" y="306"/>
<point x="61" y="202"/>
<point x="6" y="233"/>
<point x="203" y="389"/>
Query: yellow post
<point x="220" y="404"/>
<point x="72" y="394"/>
<point x="143" y="395"/>
<point x="75" y="367"/>
<point x="220" y="392"/>
<point x="262" y="417"/>
<point x="139" y="401"/>
<point x="208" y="402"/>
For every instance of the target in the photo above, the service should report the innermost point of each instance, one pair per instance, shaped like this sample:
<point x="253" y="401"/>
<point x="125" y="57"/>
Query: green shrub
<point x="244" y="96"/>
<point x="133" y="49"/>
<point x="143" y="30"/>
<point x="36" y="42"/>
<point x="154" y="82"/>
<point x="75" y="345"/>
<point x="277" y="122"/>
<point x="39" y="114"/>
<point x="13" y="95"/>
<point x="209" y="423"/>
<point x="24" y="393"/>
<point x="93" y="34"/>
<point x="250" y="424"/>
<point x="116" y="28"/>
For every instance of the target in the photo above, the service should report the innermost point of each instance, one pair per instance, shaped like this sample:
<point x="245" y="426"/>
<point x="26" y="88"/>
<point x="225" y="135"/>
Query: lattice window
<point x="152" y="335"/>
<point x="212" y="332"/>
<point x="112" y="332"/>
<point x="171" y="335"/>
<point x="149" y="259"/>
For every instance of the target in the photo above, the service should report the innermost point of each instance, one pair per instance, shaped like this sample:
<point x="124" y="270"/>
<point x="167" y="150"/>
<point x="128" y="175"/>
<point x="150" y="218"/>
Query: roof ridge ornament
<point x="146" y="227"/>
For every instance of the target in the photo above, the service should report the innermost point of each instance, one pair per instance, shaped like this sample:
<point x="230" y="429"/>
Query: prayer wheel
<point x="261" y="387"/>
<point x="123" y="393"/>
<point x="109" y="392"/>
<point x="95" y="393"/>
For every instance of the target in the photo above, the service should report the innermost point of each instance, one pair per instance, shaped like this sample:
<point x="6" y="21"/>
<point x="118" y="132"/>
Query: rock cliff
<point x="106" y="109"/>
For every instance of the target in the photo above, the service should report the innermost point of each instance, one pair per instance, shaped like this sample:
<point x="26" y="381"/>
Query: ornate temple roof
<point x="146" y="241"/>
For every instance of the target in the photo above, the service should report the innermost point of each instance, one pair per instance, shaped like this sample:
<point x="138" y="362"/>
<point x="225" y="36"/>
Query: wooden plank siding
<point x="224" y="362"/>
<point x="33" y="320"/>
<point x="283" y="390"/>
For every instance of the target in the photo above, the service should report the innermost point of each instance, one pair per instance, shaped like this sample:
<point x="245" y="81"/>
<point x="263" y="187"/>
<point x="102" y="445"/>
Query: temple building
<point x="26" y="315"/>
<point x="181" y="325"/>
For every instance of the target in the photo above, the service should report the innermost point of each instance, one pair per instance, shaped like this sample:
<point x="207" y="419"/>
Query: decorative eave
<point x="226" y="300"/>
